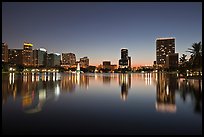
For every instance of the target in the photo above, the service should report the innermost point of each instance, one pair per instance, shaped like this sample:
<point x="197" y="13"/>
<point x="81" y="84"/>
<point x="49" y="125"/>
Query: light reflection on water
<point x="161" y="92"/>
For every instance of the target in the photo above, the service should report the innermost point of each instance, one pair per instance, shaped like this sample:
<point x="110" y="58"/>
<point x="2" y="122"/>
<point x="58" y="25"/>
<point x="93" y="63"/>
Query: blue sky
<point x="99" y="30"/>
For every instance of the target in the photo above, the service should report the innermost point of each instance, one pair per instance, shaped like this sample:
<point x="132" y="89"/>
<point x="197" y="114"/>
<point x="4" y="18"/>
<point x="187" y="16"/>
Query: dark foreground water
<point x="139" y="103"/>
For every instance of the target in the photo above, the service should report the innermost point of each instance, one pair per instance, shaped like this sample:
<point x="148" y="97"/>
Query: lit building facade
<point x="125" y="60"/>
<point x="15" y="56"/>
<point x="53" y="60"/>
<point x="84" y="62"/>
<point x="4" y="52"/>
<point x="40" y="57"/>
<point x="27" y="54"/>
<point x="164" y="46"/>
<point x="172" y="61"/>
<point x="106" y="65"/>
<point x="68" y="59"/>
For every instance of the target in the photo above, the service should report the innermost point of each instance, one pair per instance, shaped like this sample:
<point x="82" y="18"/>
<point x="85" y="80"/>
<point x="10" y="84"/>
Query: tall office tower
<point x="53" y="60"/>
<point x="125" y="60"/>
<point x="68" y="59"/>
<point x="164" y="46"/>
<point x="27" y="54"/>
<point x="84" y="62"/>
<point x="40" y="57"/>
<point x="15" y="56"/>
<point x="4" y="52"/>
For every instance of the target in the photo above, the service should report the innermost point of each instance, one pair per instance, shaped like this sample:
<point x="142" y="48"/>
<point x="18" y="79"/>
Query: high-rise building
<point x="40" y="57"/>
<point x="53" y="60"/>
<point x="68" y="59"/>
<point x="164" y="46"/>
<point x="129" y="61"/>
<point x="27" y="54"/>
<point x="4" y="52"/>
<point x="124" y="53"/>
<point x="106" y="65"/>
<point x="15" y="56"/>
<point x="84" y="62"/>
<point x="125" y="60"/>
<point x="172" y="61"/>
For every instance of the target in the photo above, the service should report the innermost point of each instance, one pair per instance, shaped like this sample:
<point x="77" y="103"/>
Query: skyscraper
<point x="54" y="59"/>
<point x="68" y="59"/>
<point x="4" y="52"/>
<point x="164" y="46"/>
<point x="15" y="56"/>
<point x="106" y="65"/>
<point x="40" y="57"/>
<point x="27" y="54"/>
<point x="84" y="62"/>
<point x="125" y="60"/>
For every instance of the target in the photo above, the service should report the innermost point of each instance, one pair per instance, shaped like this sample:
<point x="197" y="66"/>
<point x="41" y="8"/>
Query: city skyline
<point x="100" y="30"/>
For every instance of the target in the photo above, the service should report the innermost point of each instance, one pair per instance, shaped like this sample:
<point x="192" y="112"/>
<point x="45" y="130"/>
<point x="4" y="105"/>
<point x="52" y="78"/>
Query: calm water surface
<point x="137" y="103"/>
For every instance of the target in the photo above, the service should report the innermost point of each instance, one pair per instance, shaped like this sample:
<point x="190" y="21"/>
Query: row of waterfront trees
<point x="194" y="63"/>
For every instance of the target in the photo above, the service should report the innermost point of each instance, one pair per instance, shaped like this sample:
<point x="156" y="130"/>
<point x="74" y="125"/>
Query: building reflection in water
<point x="125" y="83"/>
<point x="148" y="78"/>
<point x="167" y="85"/>
<point x="77" y="78"/>
<point x="37" y="104"/>
<point x="11" y="78"/>
<point x="165" y="93"/>
<point x="106" y="79"/>
<point x="84" y="81"/>
<point x="9" y="87"/>
<point x="42" y="90"/>
<point x="192" y="88"/>
<point x="34" y="89"/>
<point x="57" y="92"/>
<point x="68" y="83"/>
<point x="38" y="88"/>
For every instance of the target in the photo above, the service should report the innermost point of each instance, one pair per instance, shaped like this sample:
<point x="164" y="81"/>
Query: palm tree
<point x="183" y="59"/>
<point x="183" y="65"/>
<point x="196" y="55"/>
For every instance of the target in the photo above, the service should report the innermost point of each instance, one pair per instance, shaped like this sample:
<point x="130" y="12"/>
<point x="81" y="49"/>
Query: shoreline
<point x="173" y="73"/>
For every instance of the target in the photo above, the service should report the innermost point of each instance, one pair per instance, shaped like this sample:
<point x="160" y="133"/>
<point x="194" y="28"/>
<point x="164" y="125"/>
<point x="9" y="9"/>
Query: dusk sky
<point x="100" y="30"/>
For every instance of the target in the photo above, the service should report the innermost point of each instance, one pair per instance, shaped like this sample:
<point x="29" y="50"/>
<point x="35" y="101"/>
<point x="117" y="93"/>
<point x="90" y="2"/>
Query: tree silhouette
<point x="196" y="56"/>
<point x="184" y="65"/>
<point x="183" y="59"/>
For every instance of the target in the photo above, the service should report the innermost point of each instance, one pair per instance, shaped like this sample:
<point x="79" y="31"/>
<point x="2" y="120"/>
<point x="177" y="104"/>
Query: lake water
<point x="137" y="103"/>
